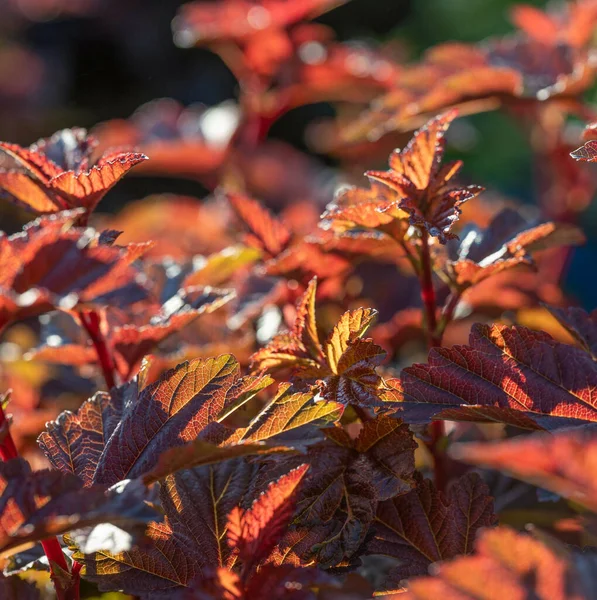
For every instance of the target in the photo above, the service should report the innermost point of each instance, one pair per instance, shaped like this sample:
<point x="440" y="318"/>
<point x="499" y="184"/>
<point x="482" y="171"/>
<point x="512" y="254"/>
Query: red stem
<point x="91" y="322"/>
<point x="8" y="448"/>
<point x="428" y="292"/>
<point x="73" y="592"/>
<point x="436" y="428"/>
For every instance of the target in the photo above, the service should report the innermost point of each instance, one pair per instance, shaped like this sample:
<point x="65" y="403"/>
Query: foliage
<point x="259" y="419"/>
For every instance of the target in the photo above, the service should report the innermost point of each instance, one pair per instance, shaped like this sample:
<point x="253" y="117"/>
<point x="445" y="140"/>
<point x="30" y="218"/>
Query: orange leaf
<point x="507" y="564"/>
<point x="255" y="531"/>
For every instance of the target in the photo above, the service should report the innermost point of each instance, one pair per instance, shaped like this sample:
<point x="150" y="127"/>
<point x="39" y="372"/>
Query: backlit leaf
<point x="255" y="531"/>
<point x="507" y="242"/>
<point x="126" y="433"/>
<point x="508" y="374"/>
<point x="424" y="187"/>
<point x="166" y="413"/>
<point x="344" y="367"/>
<point x="52" y="265"/>
<point x="267" y="233"/>
<point x="200" y="22"/>
<point x="289" y="411"/>
<point x="61" y="172"/>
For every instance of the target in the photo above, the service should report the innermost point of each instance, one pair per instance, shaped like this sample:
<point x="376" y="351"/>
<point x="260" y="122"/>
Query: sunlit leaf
<point x="61" y="172"/>
<point x="125" y="435"/>
<point x="344" y="366"/>
<point x="267" y="233"/>
<point x="507" y="374"/>
<point x="424" y="188"/>
<point x="507" y="242"/>
<point x="254" y="532"/>
<point x="53" y="265"/>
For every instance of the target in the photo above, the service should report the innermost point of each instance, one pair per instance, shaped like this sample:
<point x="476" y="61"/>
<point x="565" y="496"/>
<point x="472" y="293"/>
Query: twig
<point x="90" y="320"/>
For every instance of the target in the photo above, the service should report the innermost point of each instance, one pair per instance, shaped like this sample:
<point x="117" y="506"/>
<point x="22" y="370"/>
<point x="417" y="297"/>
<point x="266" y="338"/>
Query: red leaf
<point x="338" y="497"/>
<point x="204" y="22"/>
<point x="268" y="234"/>
<point x="38" y="505"/>
<point x="507" y="564"/>
<point x="60" y="173"/>
<point x="508" y="374"/>
<point x="507" y="242"/>
<point x="587" y="152"/>
<point x="562" y="462"/>
<point x="290" y="410"/>
<point x="50" y="266"/>
<point x="255" y="531"/>
<point x="346" y="363"/>
<point x="15" y="588"/>
<point x="104" y="442"/>
<point x="424" y="187"/>
<point x="582" y="326"/>
<point x="424" y="526"/>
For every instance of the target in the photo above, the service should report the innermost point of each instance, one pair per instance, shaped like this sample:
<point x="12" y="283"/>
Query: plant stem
<point x="447" y="315"/>
<point x="8" y="448"/>
<point x="428" y="292"/>
<point x="73" y="592"/>
<point x="91" y="322"/>
<point x="436" y="428"/>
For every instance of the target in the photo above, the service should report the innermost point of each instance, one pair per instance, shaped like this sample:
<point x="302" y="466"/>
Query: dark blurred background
<point x="81" y="62"/>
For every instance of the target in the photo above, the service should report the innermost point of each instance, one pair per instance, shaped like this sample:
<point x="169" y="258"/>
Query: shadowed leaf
<point x="41" y="504"/>
<point x="425" y="526"/>
<point x="580" y="324"/>
<point x="199" y="453"/>
<point x="337" y="500"/>
<point x="15" y="588"/>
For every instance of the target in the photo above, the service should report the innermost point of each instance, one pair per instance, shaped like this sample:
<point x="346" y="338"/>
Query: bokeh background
<point x="84" y="62"/>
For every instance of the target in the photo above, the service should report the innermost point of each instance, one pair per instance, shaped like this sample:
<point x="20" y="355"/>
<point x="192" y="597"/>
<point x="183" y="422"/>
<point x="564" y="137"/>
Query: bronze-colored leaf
<point x="425" y="526"/>
<point x="508" y="374"/>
